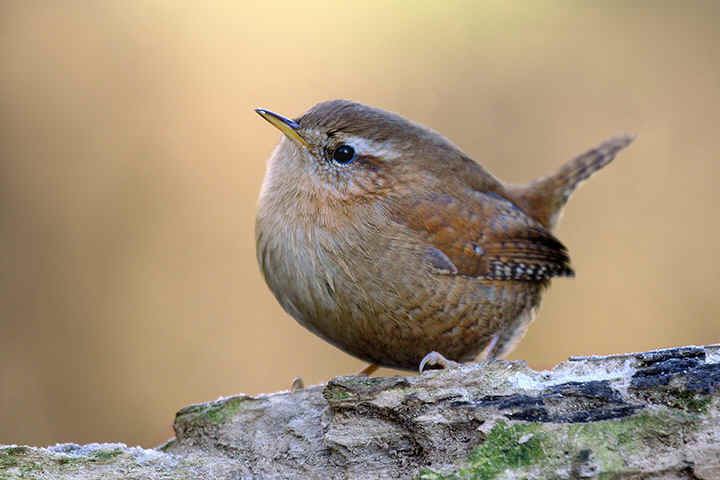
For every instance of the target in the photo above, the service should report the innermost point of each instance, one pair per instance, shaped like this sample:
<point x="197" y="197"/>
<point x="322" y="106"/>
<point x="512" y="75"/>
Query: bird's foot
<point x="369" y="370"/>
<point x="434" y="359"/>
<point x="297" y="384"/>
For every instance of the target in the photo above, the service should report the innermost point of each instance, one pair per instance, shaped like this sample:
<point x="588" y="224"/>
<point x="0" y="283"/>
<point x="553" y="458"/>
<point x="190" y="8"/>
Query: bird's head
<point x="348" y="151"/>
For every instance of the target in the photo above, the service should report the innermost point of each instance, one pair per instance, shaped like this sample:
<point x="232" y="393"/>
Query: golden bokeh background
<point x="131" y="159"/>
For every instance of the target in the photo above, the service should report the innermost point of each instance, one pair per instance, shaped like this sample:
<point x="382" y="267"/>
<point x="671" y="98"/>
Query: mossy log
<point x="651" y="415"/>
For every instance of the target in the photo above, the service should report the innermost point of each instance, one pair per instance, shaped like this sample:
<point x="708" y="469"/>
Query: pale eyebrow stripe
<point x="364" y="146"/>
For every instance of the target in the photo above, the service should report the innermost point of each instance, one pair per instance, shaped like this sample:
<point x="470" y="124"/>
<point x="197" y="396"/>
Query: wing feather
<point x="484" y="235"/>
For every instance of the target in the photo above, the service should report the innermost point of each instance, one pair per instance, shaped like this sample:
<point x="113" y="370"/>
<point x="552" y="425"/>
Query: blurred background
<point x="131" y="159"/>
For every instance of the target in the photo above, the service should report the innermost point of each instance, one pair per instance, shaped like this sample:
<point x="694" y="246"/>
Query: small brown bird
<point x="385" y="239"/>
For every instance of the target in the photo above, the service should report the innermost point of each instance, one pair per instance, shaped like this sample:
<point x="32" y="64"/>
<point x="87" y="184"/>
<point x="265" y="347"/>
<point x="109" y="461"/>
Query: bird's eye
<point x="343" y="154"/>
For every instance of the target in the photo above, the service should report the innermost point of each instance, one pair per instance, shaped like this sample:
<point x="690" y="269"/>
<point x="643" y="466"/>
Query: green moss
<point x="222" y="412"/>
<point x="360" y="388"/>
<point x="65" y="461"/>
<point x="506" y="447"/>
<point x="606" y="438"/>
<point x="699" y="404"/>
<point x="191" y="409"/>
<point x="31" y="467"/>
<point x="12" y="456"/>
<point x="19" y="459"/>
<point x="167" y="445"/>
<point x="336" y="394"/>
<point x="16" y="451"/>
<point x="427" y="474"/>
<point x="520" y="447"/>
<point x="692" y="402"/>
<point x="7" y="460"/>
<point x="216" y="412"/>
<point x="680" y="398"/>
<point x="105" y="455"/>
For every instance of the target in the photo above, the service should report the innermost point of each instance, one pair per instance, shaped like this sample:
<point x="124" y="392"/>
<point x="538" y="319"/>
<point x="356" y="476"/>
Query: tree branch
<point x="652" y="415"/>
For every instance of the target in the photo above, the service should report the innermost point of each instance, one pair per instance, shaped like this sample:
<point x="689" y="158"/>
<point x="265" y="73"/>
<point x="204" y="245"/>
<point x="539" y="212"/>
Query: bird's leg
<point x="504" y="341"/>
<point x="297" y="384"/>
<point x="369" y="370"/>
<point x="436" y="359"/>
<point x="490" y="347"/>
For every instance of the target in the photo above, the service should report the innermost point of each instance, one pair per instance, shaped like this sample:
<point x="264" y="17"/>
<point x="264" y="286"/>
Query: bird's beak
<point x="288" y="127"/>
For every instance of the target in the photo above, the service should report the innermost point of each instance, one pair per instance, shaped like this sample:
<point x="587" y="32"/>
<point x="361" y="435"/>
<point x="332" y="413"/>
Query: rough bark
<point x="652" y="415"/>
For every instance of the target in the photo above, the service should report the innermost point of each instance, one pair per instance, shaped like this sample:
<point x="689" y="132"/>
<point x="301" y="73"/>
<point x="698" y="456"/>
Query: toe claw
<point x="436" y="359"/>
<point x="297" y="384"/>
<point x="427" y="358"/>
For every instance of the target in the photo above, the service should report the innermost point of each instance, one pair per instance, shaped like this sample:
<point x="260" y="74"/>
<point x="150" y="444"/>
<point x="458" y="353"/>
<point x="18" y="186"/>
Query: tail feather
<point x="545" y="198"/>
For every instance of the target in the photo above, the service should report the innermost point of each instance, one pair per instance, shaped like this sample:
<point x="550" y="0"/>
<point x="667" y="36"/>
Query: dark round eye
<point x="344" y="154"/>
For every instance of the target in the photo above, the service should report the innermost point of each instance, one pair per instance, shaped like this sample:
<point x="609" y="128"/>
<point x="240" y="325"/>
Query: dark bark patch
<point x="677" y="378"/>
<point x="572" y="402"/>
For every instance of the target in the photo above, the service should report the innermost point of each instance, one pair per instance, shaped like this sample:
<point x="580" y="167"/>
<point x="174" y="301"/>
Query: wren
<point x="385" y="239"/>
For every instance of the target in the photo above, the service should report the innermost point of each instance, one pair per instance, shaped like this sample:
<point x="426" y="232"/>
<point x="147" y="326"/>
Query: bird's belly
<point x="457" y="319"/>
<point x="396" y="326"/>
<point x="389" y="313"/>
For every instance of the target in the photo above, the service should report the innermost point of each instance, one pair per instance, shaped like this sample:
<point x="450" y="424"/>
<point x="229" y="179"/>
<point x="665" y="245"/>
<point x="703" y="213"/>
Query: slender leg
<point x="369" y="370"/>
<point x="509" y="337"/>
<point x="490" y="347"/>
<point x="435" y="359"/>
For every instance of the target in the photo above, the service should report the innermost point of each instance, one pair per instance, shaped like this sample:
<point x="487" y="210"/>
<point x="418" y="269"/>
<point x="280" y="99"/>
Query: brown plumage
<point x="385" y="239"/>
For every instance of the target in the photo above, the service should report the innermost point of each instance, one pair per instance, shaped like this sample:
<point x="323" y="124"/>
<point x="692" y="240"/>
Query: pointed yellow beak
<point x="287" y="126"/>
